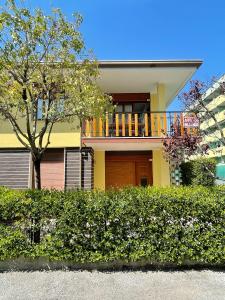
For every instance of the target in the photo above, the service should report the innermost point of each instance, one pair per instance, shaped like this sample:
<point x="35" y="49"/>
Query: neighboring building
<point x="118" y="150"/>
<point x="215" y="102"/>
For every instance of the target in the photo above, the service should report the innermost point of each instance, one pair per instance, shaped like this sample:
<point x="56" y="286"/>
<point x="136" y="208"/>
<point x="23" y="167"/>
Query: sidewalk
<point x="180" y="285"/>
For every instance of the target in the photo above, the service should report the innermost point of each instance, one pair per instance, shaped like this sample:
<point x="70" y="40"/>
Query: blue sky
<point x="152" y="29"/>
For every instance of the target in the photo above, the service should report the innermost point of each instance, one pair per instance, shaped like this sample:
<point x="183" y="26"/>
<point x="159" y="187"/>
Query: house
<point x="119" y="149"/>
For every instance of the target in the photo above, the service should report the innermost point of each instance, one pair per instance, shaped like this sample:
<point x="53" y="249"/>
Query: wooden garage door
<point x="128" y="168"/>
<point x="119" y="174"/>
<point x="52" y="169"/>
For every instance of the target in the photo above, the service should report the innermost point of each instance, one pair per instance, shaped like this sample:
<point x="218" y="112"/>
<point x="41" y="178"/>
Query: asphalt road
<point x="182" y="285"/>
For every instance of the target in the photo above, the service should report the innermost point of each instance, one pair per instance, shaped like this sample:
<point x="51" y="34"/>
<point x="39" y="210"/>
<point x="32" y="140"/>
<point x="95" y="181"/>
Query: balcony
<point x="142" y="125"/>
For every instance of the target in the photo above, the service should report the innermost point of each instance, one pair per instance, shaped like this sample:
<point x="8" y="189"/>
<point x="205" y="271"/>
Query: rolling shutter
<point x="14" y="168"/>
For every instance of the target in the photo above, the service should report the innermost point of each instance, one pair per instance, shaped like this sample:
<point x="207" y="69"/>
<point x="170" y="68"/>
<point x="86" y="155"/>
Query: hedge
<point x="199" y="172"/>
<point x="154" y="224"/>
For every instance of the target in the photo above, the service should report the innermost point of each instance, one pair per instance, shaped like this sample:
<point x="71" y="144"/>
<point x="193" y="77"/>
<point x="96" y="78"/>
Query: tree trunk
<point x="35" y="232"/>
<point x="80" y="158"/>
<point x="37" y="174"/>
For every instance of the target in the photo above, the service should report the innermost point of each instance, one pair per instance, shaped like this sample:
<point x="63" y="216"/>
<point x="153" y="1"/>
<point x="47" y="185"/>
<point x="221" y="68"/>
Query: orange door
<point x="143" y="173"/>
<point x="128" y="168"/>
<point x="52" y="169"/>
<point x="119" y="174"/>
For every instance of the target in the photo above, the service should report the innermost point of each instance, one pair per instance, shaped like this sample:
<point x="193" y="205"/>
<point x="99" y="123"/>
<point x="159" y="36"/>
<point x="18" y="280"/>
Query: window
<point x="141" y="107"/>
<point x="128" y="108"/>
<point x="136" y="107"/>
<point x="119" y="108"/>
<point x="42" y="107"/>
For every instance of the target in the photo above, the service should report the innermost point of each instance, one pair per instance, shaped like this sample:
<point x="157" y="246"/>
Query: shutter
<point x="52" y="169"/>
<point x="14" y="168"/>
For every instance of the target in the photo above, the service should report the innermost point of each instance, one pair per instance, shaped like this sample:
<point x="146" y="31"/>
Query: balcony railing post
<point x="136" y="124"/>
<point x="152" y="124"/>
<point x="170" y="123"/>
<point x="130" y="124"/>
<point x="146" y="124"/>
<point x="123" y="125"/>
<point x="174" y="122"/>
<point x="117" y="125"/>
<point x="175" y="118"/>
<point x="94" y="127"/>
<point x="188" y="130"/>
<point x="159" y="124"/>
<point x="100" y="127"/>
<point x="181" y="124"/>
<point x="87" y="128"/>
<point x="165" y="123"/>
<point x="107" y="125"/>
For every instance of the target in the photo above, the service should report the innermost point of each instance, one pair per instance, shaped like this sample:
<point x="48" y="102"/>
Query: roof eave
<point x="149" y="63"/>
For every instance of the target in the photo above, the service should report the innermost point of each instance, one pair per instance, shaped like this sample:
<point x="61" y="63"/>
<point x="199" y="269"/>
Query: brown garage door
<point x="128" y="168"/>
<point x="52" y="169"/>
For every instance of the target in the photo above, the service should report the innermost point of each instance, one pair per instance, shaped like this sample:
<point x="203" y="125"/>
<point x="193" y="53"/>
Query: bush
<point x="199" y="172"/>
<point x="153" y="224"/>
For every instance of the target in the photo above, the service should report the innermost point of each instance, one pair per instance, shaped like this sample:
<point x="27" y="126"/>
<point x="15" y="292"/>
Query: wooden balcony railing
<point x="154" y="124"/>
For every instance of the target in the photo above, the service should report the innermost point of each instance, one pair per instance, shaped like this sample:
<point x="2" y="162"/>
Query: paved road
<point x="200" y="285"/>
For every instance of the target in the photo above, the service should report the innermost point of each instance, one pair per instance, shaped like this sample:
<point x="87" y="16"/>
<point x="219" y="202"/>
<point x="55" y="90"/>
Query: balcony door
<point x="126" y="110"/>
<point x="134" y="108"/>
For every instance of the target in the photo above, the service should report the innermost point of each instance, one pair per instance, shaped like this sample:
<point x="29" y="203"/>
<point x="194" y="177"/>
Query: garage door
<point x="52" y="169"/>
<point x="119" y="174"/>
<point x="128" y="168"/>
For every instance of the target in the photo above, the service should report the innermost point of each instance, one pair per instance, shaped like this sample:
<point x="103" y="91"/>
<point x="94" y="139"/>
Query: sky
<point x="152" y="29"/>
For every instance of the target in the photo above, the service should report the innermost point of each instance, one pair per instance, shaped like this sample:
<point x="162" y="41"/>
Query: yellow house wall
<point x="58" y="140"/>
<point x="63" y="135"/>
<point x="154" y="102"/>
<point x="99" y="170"/>
<point x="158" y="102"/>
<point x="161" y="97"/>
<point x="161" y="171"/>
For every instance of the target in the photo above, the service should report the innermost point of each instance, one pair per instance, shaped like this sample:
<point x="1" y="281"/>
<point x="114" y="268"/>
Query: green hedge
<point x="153" y="224"/>
<point x="199" y="172"/>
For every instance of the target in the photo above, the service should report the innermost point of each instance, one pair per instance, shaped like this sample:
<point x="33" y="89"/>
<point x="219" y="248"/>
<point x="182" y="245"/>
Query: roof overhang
<point x="144" y="76"/>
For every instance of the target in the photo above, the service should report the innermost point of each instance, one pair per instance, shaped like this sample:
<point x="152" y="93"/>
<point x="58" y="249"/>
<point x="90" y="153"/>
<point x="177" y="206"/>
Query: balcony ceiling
<point x="144" y="76"/>
<point x="123" y="144"/>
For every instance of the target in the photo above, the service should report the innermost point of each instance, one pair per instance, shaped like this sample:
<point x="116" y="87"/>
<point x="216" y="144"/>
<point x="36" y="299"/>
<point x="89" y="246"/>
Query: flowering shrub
<point x="154" y="224"/>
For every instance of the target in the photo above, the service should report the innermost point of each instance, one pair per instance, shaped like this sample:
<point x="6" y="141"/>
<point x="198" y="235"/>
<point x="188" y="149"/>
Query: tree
<point x="44" y="63"/>
<point x="180" y="147"/>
